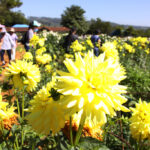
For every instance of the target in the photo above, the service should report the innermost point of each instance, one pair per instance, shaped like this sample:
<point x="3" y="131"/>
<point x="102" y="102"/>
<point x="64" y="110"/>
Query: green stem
<point x="33" y="147"/>
<point x="23" y="105"/>
<point x="7" y="145"/>
<point x="18" y="107"/>
<point x="15" y="146"/>
<point x="22" y="132"/>
<point x="16" y="140"/>
<point x="22" y="138"/>
<point x="139" y="143"/>
<point x="82" y="121"/>
<point x="71" y="136"/>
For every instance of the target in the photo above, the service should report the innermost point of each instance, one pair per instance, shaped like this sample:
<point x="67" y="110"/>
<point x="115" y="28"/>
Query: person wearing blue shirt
<point x="96" y="40"/>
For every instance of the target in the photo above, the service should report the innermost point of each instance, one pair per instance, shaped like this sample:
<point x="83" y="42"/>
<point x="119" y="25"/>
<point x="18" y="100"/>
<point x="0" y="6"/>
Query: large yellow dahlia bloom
<point x="140" y="121"/>
<point x="92" y="85"/>
<point x="46" y="114"/>
<point x="23" y="73"/>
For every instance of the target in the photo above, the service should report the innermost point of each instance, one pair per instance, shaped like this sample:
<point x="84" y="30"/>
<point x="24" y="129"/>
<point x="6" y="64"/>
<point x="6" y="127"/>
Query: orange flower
<point x="9" y="122"/>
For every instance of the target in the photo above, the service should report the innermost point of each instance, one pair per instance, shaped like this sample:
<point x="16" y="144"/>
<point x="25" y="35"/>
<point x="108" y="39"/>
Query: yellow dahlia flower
<point x="41" y="42"/>
<point x="147" y="51"/>
<point x="92" y="85"/>
<point x="140" y="121"/>
<point x="51" y="84"/>
<point x="76" y="46"/>
<point x="89" y="42"/>
<point x="48" y="68"/>
<point x="54" y="57"/>
<point x="129" y="48"/>
<point x="23" y="73"/>
<point x="46" y="114"/>
<point x="43" y="59"/>
<point x="110" y="50"/>
<point x="34" y="40"/>
<point x="69" y="56"/>
<point x="139" y="40"/>
<point x="115" y="43"/>
<point x="40" y="51"/>
<point x="28" y="56"/>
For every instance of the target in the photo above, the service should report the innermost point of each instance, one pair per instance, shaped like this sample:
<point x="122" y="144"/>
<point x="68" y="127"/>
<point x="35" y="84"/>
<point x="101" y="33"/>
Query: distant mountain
<point x="56" y="22"/>
<point x="126" y="26"/>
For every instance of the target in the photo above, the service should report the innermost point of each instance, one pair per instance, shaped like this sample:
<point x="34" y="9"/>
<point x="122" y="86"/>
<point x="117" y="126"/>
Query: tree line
<point x="73" y="16"/>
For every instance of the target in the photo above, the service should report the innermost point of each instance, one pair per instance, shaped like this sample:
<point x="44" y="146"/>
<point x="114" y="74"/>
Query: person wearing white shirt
<point x="6" y="44"/>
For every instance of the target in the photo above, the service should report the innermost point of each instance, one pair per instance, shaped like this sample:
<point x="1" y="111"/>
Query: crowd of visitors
<point x="71" y="37"/>
<point x="8" y="41"/>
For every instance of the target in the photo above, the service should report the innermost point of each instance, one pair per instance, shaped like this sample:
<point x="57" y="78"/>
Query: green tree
<point x="147" y="32"/>
<point x="104" y="27"/>
<point x="118" y="31"/>
<point x="130" y="31"/>
<point x="74" y="17"/>
<point x="9" y="4"/>
<point x="95" y="25"/>
<point x="7" y="16"/>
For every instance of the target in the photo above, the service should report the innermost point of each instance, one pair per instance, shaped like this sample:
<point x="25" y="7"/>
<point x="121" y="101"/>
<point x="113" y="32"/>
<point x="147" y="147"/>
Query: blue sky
<point x="133" y="12"/>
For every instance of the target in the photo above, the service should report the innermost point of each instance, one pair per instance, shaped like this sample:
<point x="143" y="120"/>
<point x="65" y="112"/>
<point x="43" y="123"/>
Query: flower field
<point x="76" y="100"/>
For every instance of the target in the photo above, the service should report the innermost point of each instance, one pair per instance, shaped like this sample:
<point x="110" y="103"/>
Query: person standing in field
<point x="1" y="35"/>
<point x="33" y="28"/>
<point x="15" y="39"/>
<point x="6" y="44"/>
<point x="96" y="41"/>
<point x="71" y="37"/>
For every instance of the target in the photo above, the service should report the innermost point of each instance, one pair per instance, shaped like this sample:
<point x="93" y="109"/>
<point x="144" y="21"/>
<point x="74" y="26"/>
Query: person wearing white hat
<point x="6" y="44"/>
<point x="15" y="39"/>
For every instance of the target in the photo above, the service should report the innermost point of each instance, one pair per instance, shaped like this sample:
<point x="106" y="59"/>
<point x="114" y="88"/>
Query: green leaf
<point x="91" y="144"/>
<point x="6" y="133"/>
